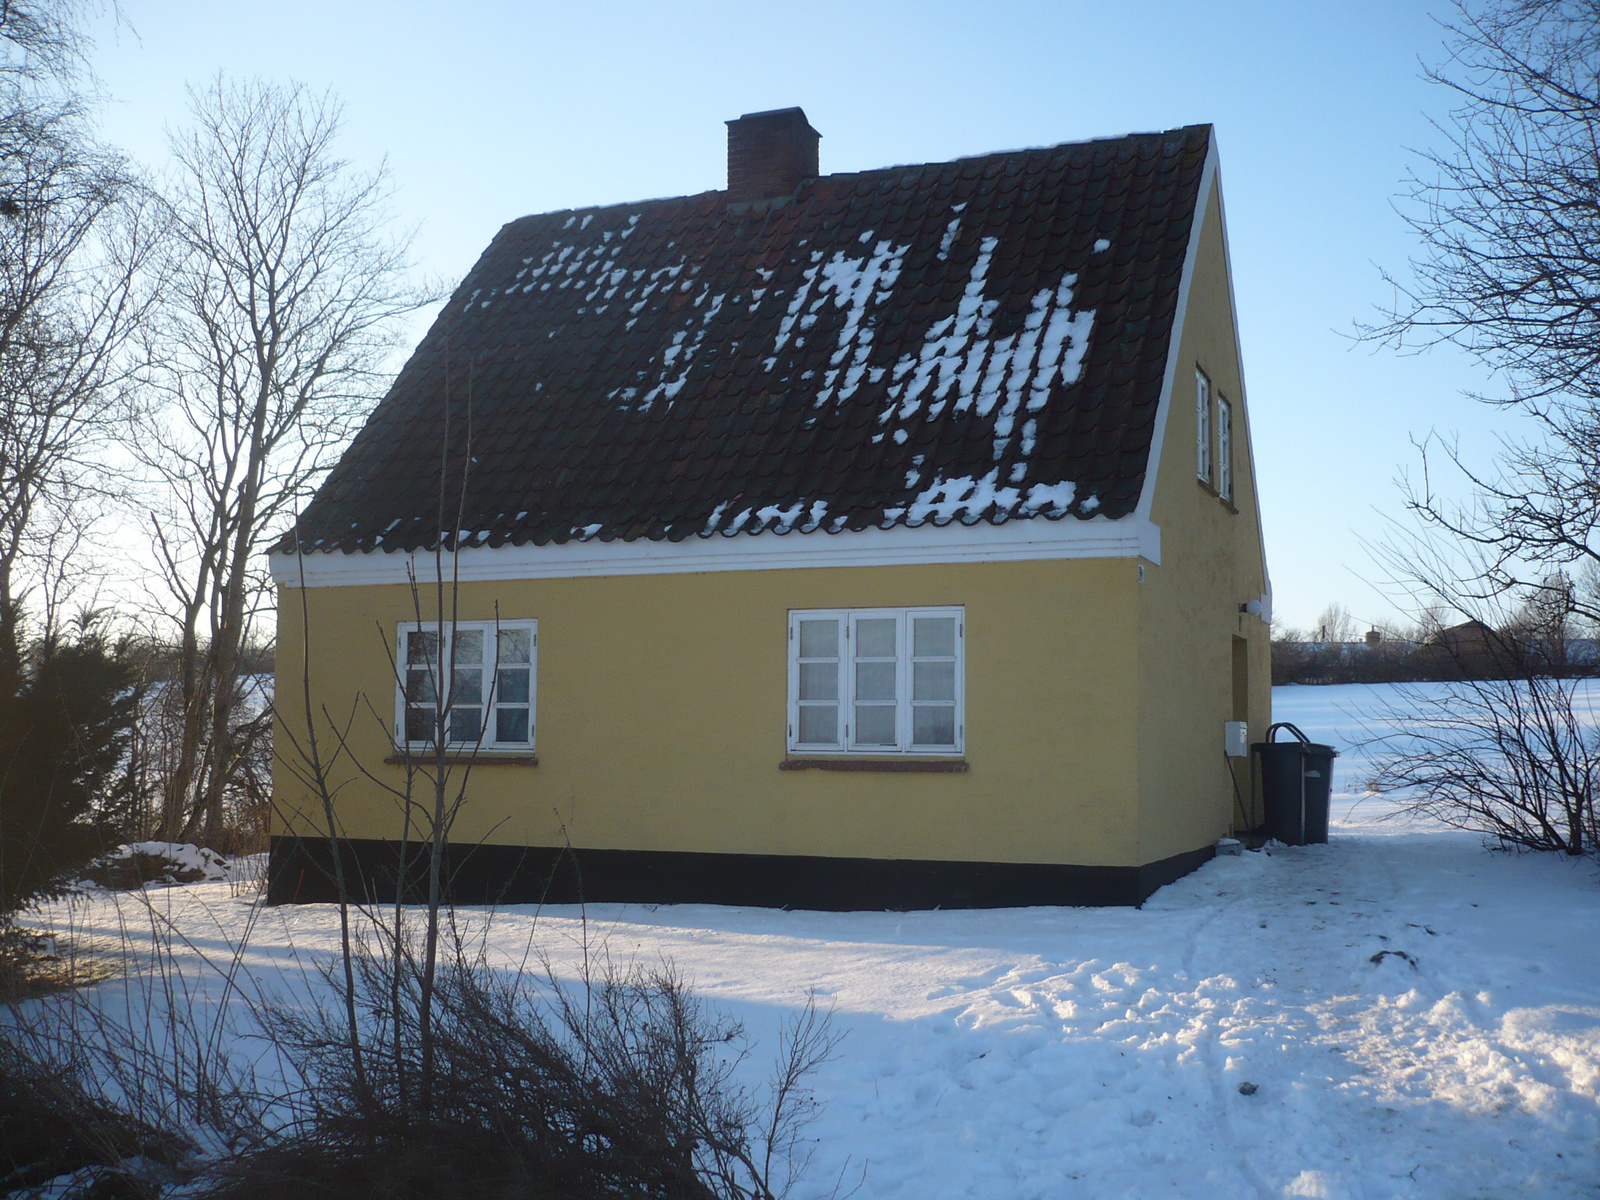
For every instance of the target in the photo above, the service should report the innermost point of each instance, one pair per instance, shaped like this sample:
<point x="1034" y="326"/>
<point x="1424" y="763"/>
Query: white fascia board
<point x="1152" y="470"/>
<point x="1132" y="536"/>
<point x="1244" y="405"/>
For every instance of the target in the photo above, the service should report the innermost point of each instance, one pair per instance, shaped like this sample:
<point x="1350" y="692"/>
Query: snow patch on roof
<point x="962" y="366"/>
<point x="682" y="347"/>
<point x="968" y="499"/>
<point x="950" y="231"/>
<point x="779" y="518"/>
<point x="857" y="284"/>
<point x="796" y="305"/>
<point x="716" y="516"/>
<point x="1049" y="499"/>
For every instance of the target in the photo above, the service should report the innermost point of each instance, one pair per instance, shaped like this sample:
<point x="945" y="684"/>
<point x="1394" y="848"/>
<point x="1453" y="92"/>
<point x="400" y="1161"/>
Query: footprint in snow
<point x="1377" y="959"/>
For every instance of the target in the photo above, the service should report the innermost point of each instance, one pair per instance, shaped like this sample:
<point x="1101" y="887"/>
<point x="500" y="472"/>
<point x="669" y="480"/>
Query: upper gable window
<point x="1202" y="418"/>
<point x="1224" y="448"/>
<point x="877" y="680"/>
<point x="488" y="703"/>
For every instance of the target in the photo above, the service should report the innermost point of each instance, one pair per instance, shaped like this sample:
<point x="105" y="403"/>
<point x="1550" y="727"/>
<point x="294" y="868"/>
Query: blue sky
<point x="486" y="111"/>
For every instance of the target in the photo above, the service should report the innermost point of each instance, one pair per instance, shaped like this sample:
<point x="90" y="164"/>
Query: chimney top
<point x="769" y="154"/>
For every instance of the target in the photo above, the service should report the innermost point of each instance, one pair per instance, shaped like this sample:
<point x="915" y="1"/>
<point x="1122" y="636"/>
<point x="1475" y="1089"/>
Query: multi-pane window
<point x="477" y="677"/>
<point x="876" y="680"/>
<point x="1224" y="448"/>
<point x="1202" y="418"/>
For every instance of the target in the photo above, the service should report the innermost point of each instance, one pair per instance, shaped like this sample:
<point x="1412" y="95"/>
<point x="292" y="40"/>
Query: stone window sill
<point x="476" y="760"/>
<point x="924" y="766"/>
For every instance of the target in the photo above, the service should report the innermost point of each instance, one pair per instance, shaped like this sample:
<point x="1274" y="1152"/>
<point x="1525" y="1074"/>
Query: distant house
<point x="1474" y="650"/>
<point x="880" y="539"/>
<point x="1471" y="648"/>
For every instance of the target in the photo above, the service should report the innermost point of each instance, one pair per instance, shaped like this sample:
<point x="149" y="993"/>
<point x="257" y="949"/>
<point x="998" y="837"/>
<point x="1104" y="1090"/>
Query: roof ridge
<point x="965" y="159"/>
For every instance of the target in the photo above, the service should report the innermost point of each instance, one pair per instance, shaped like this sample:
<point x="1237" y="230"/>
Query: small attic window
<point x="1202" y="420"/>
<point x="1224" y="448"/>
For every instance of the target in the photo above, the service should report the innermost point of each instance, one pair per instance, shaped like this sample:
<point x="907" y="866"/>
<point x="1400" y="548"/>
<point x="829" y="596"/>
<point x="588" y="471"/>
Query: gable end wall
<point x="1211" y="562"/>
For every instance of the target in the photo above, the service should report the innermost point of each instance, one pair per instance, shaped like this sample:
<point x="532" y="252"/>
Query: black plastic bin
<point x="1296" y="778"/>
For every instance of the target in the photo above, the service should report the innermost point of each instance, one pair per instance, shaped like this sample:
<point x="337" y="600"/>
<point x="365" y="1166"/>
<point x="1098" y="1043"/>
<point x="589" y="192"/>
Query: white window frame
<point x="848" y="619"/>
<point x="1202" y="416"/>
<point x="1224" y="447"/>
<point x="487" y="706"/>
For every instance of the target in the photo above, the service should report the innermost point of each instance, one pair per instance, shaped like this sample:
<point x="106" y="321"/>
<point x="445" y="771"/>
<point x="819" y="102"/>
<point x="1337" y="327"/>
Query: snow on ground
<point x="1100" y="1052"/>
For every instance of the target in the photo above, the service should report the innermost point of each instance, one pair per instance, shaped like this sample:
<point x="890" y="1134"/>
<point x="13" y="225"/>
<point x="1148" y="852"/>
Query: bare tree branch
<point x="1508" y="217"/>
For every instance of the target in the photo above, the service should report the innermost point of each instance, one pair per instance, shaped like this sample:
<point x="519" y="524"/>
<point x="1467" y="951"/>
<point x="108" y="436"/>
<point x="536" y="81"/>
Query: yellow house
<point x="885" y="539"/>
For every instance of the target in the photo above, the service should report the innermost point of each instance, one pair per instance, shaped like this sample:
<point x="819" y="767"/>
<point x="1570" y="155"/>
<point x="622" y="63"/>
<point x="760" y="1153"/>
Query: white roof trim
<point x="1132" y="536"/>
<point x="1244" y="401"/>
<point x="1152" y="470"/>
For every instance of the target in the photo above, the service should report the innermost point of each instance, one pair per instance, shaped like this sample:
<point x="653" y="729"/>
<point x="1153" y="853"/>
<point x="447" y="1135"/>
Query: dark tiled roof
<point x="982" y="339"/>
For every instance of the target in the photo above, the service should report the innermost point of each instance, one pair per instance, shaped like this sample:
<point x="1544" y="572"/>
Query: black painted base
<point x="300" y="871"/>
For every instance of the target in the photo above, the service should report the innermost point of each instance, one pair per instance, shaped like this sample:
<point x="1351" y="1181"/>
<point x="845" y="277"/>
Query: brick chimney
<point x="769" y="153"/>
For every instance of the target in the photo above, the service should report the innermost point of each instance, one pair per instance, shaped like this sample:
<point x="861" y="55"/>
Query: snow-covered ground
<point x="1420" y="1017"/>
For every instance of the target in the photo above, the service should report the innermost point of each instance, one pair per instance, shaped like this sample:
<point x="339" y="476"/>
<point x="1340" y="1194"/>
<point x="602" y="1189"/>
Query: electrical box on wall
<point x="1236" y="739"/>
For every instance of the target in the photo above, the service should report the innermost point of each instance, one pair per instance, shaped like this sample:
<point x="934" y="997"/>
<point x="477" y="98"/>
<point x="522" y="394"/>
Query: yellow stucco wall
<point x="662" y="707"/>
<point x="1189" y="605"/>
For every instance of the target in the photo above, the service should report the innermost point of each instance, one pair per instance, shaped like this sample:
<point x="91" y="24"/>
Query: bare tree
<point x="619" y="1085"/>
<point x="1508" y="215"/>
<point x="284" y="294"/>
<point x="42" y="45"/>
<point x="76" y="232"/>
<point x="1336" y="625"/>
<point x="73" y="257"/>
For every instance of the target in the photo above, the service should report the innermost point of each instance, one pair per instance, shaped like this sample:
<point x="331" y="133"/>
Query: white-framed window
<point x="487" y="674"/>
<point x="1202" y="421"/>
<point x="877" y="680"/>
<point x="1224" y="448"/>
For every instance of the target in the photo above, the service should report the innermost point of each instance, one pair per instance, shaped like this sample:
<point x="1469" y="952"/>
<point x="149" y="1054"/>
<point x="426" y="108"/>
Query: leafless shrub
<point x="622" y="1085"/>
<point x="52" y="1124"/>
<point x="1511" y="758"/>
<point x="144" y="1069"/>
<point x="428" y="1072"/>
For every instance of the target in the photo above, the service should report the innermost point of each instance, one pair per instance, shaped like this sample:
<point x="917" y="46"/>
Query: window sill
<point x="480" y="759"/>
<point x="1225" y="501"/>
<point x="925" y="766"/>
